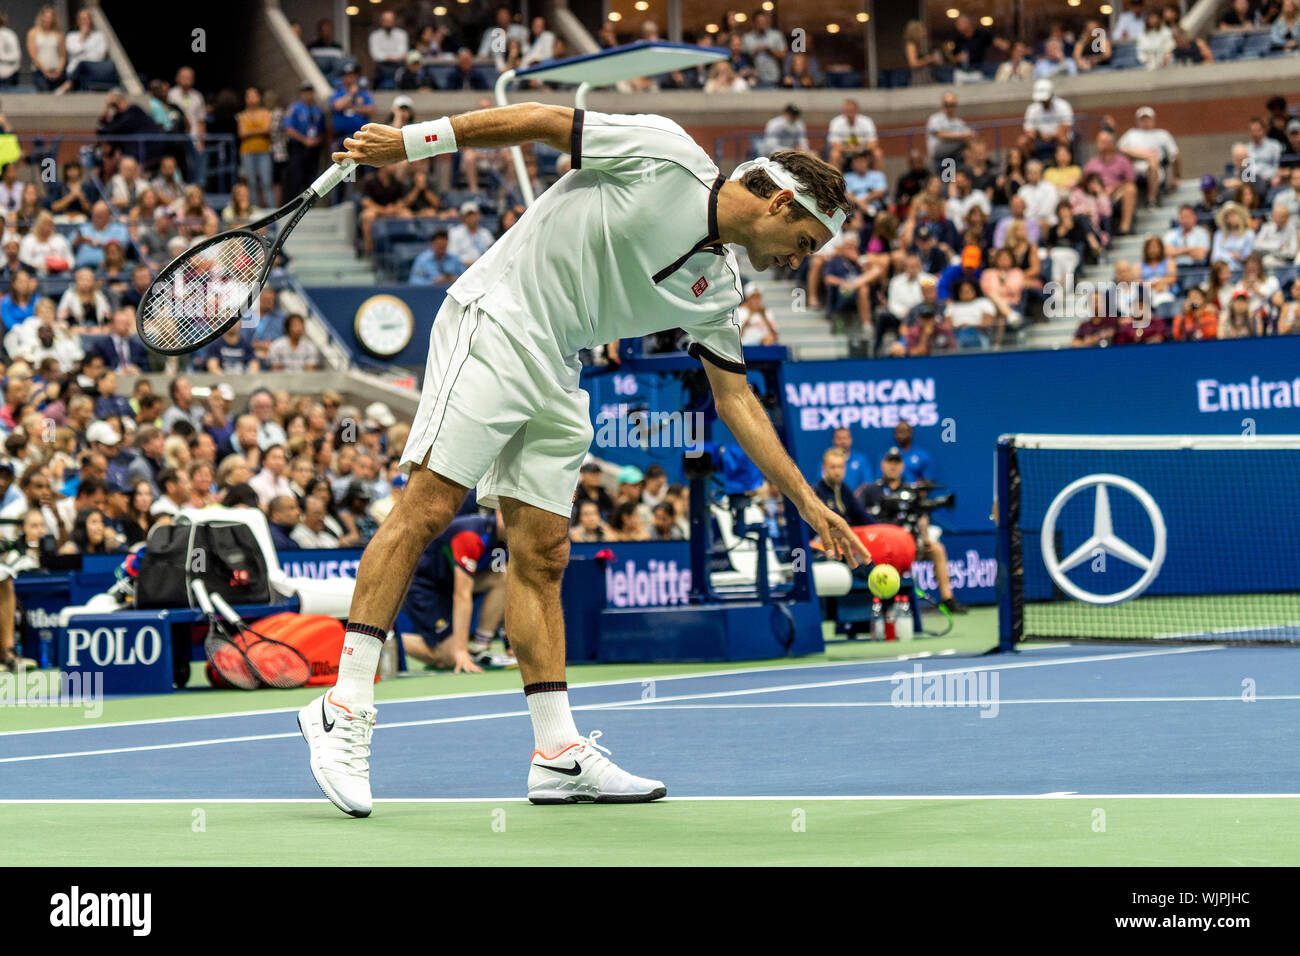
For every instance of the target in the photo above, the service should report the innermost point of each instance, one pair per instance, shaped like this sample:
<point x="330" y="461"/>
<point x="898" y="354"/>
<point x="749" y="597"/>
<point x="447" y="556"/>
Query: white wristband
<point x="429" y="139"/>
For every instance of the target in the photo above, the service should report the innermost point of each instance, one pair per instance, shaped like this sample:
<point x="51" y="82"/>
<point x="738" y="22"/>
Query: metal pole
<point x="342" y="24"/>
<point x="873" y="69"/>
<point x="517" y="154"/>
<point x="675" y="21"/>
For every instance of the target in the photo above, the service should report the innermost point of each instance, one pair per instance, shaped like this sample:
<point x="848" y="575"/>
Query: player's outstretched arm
<point x="378" y="145"/>
<point x="745" y="417"/>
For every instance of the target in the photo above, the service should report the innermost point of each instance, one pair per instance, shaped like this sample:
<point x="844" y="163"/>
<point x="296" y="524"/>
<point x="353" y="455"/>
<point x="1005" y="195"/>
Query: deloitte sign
<point x="647" y="583"/>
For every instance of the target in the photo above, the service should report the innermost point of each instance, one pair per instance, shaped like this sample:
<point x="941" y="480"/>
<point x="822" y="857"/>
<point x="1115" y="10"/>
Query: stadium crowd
<point x="965" y="249"/>
<point x="76" y="60"/>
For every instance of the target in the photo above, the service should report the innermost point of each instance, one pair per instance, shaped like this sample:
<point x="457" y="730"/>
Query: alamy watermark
<point x="29" y="687"/>
<point x="946" y="689"/>
<point x="625" y="427"/>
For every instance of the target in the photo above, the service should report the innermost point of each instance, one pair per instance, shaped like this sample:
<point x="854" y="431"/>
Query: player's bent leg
<point x="566" y="767"/>
<point x="423" y="512"/>
<point x="338" y="725"/>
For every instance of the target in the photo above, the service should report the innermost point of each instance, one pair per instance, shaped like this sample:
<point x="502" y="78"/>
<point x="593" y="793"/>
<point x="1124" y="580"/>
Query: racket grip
<point x="226" y="611"/>
<point x="331" y="178"/>
<point x="201" y="595"/>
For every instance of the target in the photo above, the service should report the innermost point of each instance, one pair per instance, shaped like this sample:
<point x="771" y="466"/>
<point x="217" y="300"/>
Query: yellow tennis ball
<point x="883" y="581"/>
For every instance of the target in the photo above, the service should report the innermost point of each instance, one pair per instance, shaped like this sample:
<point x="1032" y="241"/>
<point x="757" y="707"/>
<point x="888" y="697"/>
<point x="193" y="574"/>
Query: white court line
<point x="695" y="675"/>
<point x="893" y="677"/>
<point x="1070" y="795"/>
<point x="973" y="702"/>
<point x="180" y="745"/>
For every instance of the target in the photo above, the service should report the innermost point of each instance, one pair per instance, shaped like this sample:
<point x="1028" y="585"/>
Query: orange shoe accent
<point x="538" y="753"/>
<point x="330" y="698"/>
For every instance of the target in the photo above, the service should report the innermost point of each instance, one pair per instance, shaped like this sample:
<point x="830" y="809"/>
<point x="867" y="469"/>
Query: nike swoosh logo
<point x="325" y="717"/>
<point x="568" y="772"/>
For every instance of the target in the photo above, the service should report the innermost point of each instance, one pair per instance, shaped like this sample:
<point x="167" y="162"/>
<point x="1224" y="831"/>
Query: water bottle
<point x="47" y="650"/>
<point x="903" y="617"/>
<point x="890" y="631"/>
<point x="877" y="620"/>
<point x="388" y="658"/>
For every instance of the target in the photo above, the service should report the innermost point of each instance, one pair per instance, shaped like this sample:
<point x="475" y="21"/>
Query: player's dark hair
<point x="823" y="180"/>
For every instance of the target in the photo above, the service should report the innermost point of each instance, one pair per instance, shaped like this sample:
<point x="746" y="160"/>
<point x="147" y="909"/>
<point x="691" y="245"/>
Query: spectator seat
<point x="1257" y="45"/>
<point x="1226" y="46"/>
<point x="1124" y="57"/>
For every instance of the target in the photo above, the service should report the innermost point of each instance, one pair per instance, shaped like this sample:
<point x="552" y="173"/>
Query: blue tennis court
<point x="1053" y="719"/>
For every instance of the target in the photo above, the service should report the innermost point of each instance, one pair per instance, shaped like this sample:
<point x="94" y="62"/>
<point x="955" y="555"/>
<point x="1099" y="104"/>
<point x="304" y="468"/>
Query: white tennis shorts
<point x="495" y="417"/>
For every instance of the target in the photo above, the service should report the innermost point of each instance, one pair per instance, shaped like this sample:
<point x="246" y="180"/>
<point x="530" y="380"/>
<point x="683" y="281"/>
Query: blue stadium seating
<point x="401" y="257"/>
<point x="844" y="79"/>
<point x="1226" y="46"/>
<point x="438" y="74"/>
<point x="99" y="77"/>
<point x="1124" y="56"/>
<point x="331" y="64"/>
<point x="1256" y="45"/>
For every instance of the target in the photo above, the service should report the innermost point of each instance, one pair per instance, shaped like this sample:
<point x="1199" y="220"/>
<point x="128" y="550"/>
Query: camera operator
<point x="890" y="501"/>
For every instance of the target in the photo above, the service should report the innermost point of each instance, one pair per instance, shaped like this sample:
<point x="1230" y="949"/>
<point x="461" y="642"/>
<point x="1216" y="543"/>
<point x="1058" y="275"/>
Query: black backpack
<point x="224" y="556"/>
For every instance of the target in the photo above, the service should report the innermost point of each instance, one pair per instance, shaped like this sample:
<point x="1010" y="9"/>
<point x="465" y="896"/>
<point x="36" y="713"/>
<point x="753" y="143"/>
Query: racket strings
<point x="208" y="287"/>
<point x="279" y="664"/>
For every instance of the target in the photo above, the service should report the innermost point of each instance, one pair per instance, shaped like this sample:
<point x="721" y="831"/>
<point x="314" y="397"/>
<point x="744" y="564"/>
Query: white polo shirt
<point x="1044" y="120"/>
<point x="388" y="45"/>
<point x="623" y="245"/>
<point x="860" y="132"/>
<point x="1149" y="139"/>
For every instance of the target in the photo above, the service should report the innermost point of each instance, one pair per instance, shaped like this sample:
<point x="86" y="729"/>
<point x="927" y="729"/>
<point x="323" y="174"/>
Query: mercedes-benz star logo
<point x="1103" y="538"/>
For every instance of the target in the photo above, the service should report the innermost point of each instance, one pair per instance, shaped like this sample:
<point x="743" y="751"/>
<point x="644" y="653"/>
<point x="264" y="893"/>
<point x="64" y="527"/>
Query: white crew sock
<point x="553" y="728"/>
<point x="357" y="666"/>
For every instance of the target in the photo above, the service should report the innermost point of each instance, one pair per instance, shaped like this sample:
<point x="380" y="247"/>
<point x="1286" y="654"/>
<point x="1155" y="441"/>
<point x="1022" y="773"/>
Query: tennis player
<point x="633" y="240"/>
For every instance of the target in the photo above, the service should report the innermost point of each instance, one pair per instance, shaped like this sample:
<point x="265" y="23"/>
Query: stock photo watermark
<point x="30" y="687"/>
<point x="627" y="427"/>
<point x="979" y="689"/>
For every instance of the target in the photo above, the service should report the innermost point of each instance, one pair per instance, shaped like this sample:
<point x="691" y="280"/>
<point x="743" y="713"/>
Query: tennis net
<point x="1175" y="538"/>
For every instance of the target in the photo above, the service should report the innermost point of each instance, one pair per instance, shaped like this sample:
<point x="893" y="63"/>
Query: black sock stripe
<point x="368" y="629"/>
<point x="544" y="686"/>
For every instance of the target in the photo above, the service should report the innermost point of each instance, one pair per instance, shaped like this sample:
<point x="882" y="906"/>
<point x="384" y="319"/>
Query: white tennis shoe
<point x="581" y="773"/>
<point x="339" y="738"/>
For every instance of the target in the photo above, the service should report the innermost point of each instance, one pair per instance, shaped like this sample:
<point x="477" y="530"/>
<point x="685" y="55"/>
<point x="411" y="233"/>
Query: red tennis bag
<point x="318" y="637"/>
<point x="888" y="544"/>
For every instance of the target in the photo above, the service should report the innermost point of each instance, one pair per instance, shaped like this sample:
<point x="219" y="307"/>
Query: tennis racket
<point x="275" y="663"/>
<point x="206" y="289"/>
<point x="225" y="649"/>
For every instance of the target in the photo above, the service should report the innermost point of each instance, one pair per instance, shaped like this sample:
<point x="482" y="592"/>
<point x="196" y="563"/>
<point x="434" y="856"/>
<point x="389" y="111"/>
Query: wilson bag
<point x="317" y="637"/>
<point x="226" y="557"/>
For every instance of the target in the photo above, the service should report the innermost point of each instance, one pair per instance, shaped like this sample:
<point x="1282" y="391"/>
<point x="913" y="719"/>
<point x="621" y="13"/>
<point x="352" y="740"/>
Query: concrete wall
<point x="22" y="15"/>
